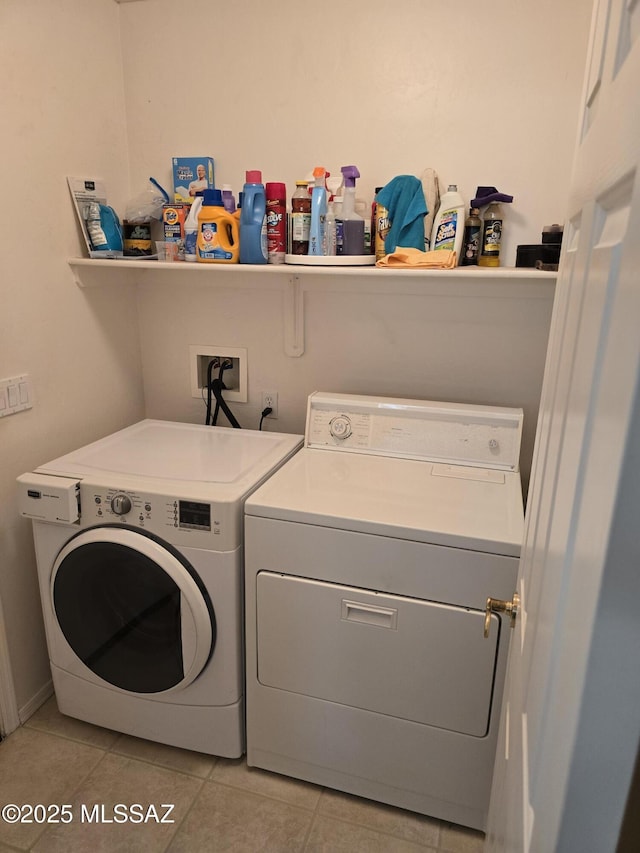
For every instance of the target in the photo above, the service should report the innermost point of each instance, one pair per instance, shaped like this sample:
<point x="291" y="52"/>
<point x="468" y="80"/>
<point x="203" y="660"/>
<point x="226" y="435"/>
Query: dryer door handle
<point x="498" y="605"/>
<point x="369" y="614"/>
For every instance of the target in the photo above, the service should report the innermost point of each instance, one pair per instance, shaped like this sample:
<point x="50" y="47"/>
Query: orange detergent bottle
<point x="218" y="240"/>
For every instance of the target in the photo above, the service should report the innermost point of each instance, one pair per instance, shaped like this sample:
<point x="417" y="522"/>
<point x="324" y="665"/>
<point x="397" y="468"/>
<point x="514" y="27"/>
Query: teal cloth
<point x="403" y="197"/>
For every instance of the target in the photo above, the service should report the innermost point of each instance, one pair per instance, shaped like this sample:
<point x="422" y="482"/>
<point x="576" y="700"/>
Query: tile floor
<point x="219" y="805"/>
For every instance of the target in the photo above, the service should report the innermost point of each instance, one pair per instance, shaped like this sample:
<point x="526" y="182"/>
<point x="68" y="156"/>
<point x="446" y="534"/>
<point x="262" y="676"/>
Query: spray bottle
<point x="333" y="187"/>
<point x="191" y="229"/>
<point x="353" y="223"/>
<point x="318" y="213"/>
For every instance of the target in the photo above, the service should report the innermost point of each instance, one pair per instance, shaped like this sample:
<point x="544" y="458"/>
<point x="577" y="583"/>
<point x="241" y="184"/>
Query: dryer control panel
<point x="454" y="433"/>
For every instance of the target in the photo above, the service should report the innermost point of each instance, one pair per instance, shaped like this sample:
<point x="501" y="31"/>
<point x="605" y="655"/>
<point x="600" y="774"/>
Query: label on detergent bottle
<point x="446" y="233"/>
<point x="264" y="238"/>
<point x="209" y="247"/>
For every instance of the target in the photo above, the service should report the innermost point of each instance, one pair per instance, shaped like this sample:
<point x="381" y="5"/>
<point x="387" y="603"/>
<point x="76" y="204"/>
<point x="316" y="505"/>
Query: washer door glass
<point x="132" y="609"/>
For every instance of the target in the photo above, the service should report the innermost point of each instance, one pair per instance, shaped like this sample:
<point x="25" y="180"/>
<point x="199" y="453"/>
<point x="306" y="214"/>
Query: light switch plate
<point x="16" y="395"/>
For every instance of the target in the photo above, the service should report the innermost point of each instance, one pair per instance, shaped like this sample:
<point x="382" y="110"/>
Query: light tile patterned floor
<point x="220" y="805"/>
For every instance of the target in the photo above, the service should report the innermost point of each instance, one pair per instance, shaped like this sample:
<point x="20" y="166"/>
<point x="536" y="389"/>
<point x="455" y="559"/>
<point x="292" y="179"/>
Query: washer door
<point x="132" y="609"/>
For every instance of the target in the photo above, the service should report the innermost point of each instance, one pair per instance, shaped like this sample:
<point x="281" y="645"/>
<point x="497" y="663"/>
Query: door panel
<point x="404" y="657"/>
<point x="571" y="723"/>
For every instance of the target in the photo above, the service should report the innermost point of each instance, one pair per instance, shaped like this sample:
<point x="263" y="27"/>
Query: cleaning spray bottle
<point x="352" y="222"/>
<point x="317" y="235"/>
<point x="333" y="187"/>
<point x="191" y="229"/>
<point x="448" y="226"/>
<point x="488" y="199"/>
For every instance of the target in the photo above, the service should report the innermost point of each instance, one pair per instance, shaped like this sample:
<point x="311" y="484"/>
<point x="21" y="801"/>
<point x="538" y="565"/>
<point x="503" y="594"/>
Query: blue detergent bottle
<point x="253" y="221"/>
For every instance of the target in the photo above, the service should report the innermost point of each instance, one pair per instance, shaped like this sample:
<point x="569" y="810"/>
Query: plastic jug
<point x="253" y="220"/>
<point x="218" y="240"/>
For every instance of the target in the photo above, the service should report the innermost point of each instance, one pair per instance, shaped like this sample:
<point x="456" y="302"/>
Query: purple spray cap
<point x="485" y="195"/>
<point x="350" y="173"/>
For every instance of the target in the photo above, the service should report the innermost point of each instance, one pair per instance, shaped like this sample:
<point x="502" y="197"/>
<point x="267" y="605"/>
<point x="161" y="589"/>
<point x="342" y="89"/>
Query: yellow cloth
<point x="443" y="259"/>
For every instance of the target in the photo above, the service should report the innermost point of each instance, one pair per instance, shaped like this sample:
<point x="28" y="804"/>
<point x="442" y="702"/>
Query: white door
<point x="571" y="715"/>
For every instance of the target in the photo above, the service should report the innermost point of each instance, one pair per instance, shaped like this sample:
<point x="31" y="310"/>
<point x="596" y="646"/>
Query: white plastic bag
<point x="148" y="204"/>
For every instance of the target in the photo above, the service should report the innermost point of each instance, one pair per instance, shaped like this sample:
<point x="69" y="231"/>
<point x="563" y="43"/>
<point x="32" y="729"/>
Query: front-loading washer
<point x="139" y="549"/>
<point x="369" y="559"/>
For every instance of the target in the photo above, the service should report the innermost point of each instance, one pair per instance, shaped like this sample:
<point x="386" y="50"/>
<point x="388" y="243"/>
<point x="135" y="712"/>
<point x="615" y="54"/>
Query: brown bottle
<point x="300" y="219"/>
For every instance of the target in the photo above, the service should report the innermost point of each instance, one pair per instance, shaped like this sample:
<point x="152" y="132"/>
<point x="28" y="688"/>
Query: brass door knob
<point x="497" y="605"/>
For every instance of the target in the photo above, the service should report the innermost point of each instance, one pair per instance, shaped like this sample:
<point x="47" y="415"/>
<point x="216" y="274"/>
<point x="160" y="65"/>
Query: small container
<point x="471" y="241"/>
<point x="137" y="238"/>
<point x="228" y="200"/>
<point x="300" y="219"/>
<point x="382" y="226"/>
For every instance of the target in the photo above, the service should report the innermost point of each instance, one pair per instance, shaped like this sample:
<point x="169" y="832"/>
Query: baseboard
<point x="36" y="702"/>
<point x="9" y="717"/>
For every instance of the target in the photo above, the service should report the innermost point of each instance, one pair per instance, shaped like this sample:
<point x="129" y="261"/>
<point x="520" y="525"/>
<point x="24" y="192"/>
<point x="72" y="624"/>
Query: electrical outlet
<point x="235" y="377"/>
<point x="270" y="399"/>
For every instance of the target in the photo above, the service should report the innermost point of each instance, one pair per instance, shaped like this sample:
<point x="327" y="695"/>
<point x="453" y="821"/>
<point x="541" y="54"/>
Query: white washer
<point x="138" y="541"/>
<point x="369" y="559"/>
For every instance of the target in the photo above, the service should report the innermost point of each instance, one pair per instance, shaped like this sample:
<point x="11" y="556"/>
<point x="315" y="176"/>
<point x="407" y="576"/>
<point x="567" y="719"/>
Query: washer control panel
<point x="172" y="518"/>
<point x="456" y="433"/>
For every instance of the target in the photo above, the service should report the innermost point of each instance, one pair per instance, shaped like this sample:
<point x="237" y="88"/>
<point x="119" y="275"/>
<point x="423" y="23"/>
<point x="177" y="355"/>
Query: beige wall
<point x="117" y="90"/>
<point x="61" y="101"/>
<point x="486" y="95"/>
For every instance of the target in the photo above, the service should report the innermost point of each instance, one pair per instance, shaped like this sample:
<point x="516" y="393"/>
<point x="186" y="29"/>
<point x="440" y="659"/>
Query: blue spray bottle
<point x="317" y="236"/>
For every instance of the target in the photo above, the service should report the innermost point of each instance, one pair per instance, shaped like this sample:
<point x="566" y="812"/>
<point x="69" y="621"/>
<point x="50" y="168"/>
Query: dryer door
<point x="132" y="609"/>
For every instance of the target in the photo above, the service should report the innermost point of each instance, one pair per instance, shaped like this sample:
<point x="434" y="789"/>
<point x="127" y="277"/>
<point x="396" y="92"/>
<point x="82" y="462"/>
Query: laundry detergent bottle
<point x="218" y="240"/>
<point x="253" y="221"/>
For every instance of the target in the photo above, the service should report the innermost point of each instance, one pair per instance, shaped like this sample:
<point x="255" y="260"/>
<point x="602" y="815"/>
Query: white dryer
<point x="138" y="541"/>
<point x="369" y="559"/>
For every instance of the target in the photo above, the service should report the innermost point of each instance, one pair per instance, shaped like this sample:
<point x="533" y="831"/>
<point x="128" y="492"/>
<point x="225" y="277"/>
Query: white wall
<point x="485" y="96"/>
<point x="61" y="101"/>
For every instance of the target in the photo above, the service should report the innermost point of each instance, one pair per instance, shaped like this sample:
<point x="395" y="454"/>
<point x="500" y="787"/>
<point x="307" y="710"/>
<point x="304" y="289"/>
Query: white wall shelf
<point x="294" y="280"/>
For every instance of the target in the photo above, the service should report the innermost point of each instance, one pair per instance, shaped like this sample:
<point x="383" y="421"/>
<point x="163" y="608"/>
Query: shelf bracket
<point x="294" y="318"/>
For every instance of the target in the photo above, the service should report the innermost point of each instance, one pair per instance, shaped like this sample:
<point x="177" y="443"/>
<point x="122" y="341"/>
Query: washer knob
<point x="121" y="504"/>
<point x="340" y="427"/>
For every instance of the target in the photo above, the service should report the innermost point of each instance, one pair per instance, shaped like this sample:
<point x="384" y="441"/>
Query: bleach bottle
<point x="253" y="221"/>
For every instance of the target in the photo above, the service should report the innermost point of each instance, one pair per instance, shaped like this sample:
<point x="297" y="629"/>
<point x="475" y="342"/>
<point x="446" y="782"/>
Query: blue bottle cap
<point x="212" y="198"/>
